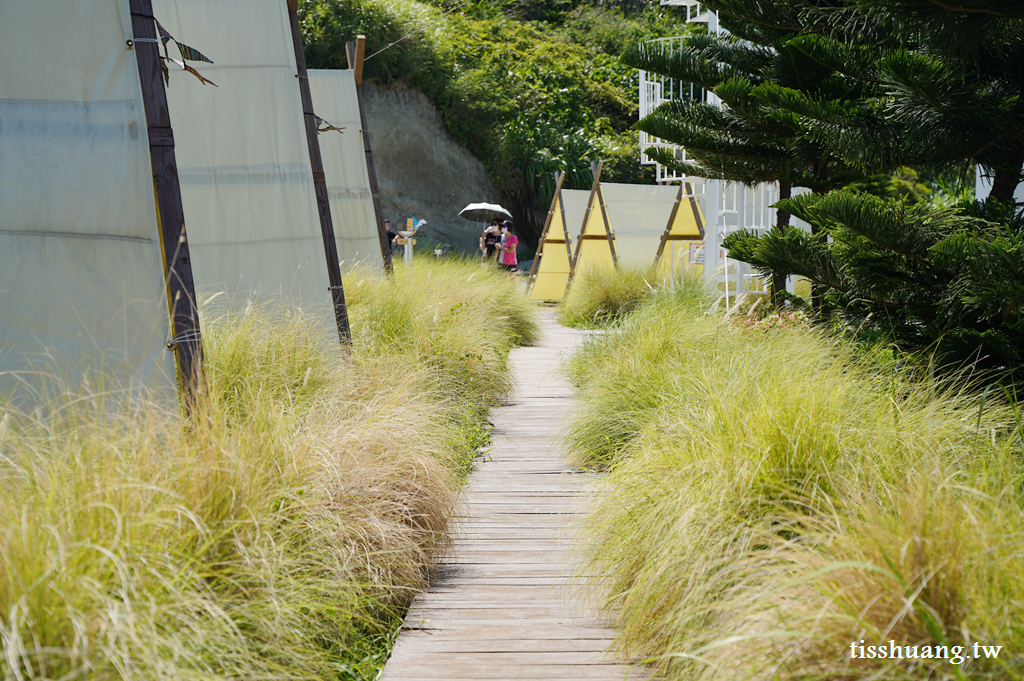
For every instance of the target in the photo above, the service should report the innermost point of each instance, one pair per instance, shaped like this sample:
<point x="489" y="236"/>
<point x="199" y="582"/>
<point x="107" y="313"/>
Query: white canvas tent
<point x="348" y="183"/>
<point x="639" y="216"/>
<point x="81" y="269"/>
<point x="243" y="161"/>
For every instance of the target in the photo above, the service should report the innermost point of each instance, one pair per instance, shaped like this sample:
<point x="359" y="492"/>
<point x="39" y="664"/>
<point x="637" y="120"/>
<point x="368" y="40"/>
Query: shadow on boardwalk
<point x="501" y="607"/>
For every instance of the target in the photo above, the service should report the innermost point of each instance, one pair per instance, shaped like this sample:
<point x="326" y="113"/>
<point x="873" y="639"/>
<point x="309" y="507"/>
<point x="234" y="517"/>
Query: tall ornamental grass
<point x="278" y="531"/>
<point x="775" y="496"/>
<point x="600" y="296"/>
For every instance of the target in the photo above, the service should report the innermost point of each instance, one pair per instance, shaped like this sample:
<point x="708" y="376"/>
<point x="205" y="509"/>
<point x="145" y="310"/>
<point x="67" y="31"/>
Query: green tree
<point x="748" y="138"/>
<point x="923" y="86"/>
<point x="528" y="87"/>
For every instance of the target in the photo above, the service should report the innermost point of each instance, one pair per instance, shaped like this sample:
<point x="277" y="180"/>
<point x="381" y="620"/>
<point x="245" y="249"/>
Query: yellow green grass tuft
<point x="600" y="296"/>
<point x="278" y="531"/>
<point x="775" y="496"/>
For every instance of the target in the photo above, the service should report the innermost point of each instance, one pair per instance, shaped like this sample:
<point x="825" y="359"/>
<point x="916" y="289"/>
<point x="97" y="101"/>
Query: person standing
<point x="489" y="240"/>
<point x="392" y="236"/>
<point x="507" y="249"/>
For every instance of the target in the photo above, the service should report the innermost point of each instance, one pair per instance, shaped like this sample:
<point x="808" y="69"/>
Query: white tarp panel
<point x="575" y="202"/>
<point x="81" y="273"/>
<point x="348" y="182"/>
<point x="246" y="182"/>
<point x="638" y="215"/>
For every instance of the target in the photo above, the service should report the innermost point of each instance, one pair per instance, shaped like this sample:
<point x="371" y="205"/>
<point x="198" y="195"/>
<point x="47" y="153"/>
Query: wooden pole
<point x="559" y="176"/>
<point x="355" y="52"/>
<point x="668" y="227"/>
<point x="607" y="226"/>
<point x="323" y="204"/>
<point x="186" y="338"/>
<point x="565" y="232"/>
<point x="595" y="168"/>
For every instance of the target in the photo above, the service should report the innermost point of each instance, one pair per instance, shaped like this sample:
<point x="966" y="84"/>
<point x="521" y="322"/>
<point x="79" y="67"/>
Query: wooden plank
<point x="502" y="670"/>
<point x="355" y="62"/>
<point x="445" y="646"/>
<point x="505" y="603"/>
<point x="519" y="658"/>
<point x="534" y="630"/>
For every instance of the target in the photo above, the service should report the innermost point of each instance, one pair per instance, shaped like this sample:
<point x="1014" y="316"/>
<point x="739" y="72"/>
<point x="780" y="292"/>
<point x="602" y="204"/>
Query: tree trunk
<point x="781" y="222"/>
<point x="1008" y="172"/>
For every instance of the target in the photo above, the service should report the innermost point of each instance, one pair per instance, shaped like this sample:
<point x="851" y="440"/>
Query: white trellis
<point x="727" y="206"/>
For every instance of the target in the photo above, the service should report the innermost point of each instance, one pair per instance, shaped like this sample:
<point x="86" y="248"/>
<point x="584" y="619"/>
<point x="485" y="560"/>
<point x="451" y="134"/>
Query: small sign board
<point x="405" y="226"/>
<point x="402" y="240"/>
<point x="696" y="254"/>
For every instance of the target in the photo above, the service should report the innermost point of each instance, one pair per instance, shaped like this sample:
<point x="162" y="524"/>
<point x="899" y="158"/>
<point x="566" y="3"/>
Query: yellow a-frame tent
<point x="595" y="246"/>
<point x="553" y="264"/>
<point x="686" y="225"/>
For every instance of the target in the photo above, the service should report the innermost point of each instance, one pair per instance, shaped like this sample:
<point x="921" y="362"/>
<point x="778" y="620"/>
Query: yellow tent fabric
<point x="81" y="270"/>
<point x="594" y="244"/>
<point x="348" y="181"/>
<point x="243" y="162"/>
<point x="684" y="236"/>
<point x="554" y="268"/>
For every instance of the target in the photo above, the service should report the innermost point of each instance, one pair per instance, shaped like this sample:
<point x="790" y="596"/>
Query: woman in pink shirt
<point x="507" y="251"/>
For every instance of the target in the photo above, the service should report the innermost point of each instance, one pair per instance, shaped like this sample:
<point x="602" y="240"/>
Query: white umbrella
<point x="482" y="212"/>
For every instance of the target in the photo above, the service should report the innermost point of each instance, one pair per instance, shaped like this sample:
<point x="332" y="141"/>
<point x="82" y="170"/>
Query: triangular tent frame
<point x="597" y="196"/>
<point x="685" y="190"/>
<point x="538" y="269"/>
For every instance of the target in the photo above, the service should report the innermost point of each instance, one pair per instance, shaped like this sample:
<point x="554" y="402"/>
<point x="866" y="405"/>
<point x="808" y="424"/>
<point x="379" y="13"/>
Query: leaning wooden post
<point x="355" y="52"/>
<point x="666" y="235"/>
<point x="323" y="204"/>
<point x="186" y="339"/>
<point x="607" y="227"/>
<point x="595" y="169"/>
<point x="555" y="199"/>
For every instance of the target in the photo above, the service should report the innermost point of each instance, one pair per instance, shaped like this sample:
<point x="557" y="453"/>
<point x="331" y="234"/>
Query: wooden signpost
<point x="320" y="183"/>
<point x="186" y="338"/>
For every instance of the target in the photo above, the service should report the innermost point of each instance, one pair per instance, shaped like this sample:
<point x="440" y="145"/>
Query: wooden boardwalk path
<point x="501" y="607"/>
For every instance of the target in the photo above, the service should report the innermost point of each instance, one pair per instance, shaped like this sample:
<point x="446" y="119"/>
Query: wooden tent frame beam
<point x="595" y="168"/>
<point x="607" y="226"/>
<point x="355" y="51"/>
<point x="555" y="199"/>
<point x="323" y="203"/>
<point x="186" y="335"/>
<point x="666" y="236"/>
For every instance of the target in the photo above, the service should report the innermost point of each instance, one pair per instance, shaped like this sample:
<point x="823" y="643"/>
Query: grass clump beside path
<point x="775" y="496"/>
<point x="599" y="297"/>
<point x="276" y="533"/>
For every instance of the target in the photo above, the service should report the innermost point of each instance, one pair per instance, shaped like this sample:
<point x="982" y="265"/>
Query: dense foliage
<point x="529" y="86"/>
<point x="869" y="88"/>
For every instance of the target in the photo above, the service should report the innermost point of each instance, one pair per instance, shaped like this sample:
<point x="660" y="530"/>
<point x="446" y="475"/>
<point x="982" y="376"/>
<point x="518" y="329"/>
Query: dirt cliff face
<point x="421" y="169"/>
